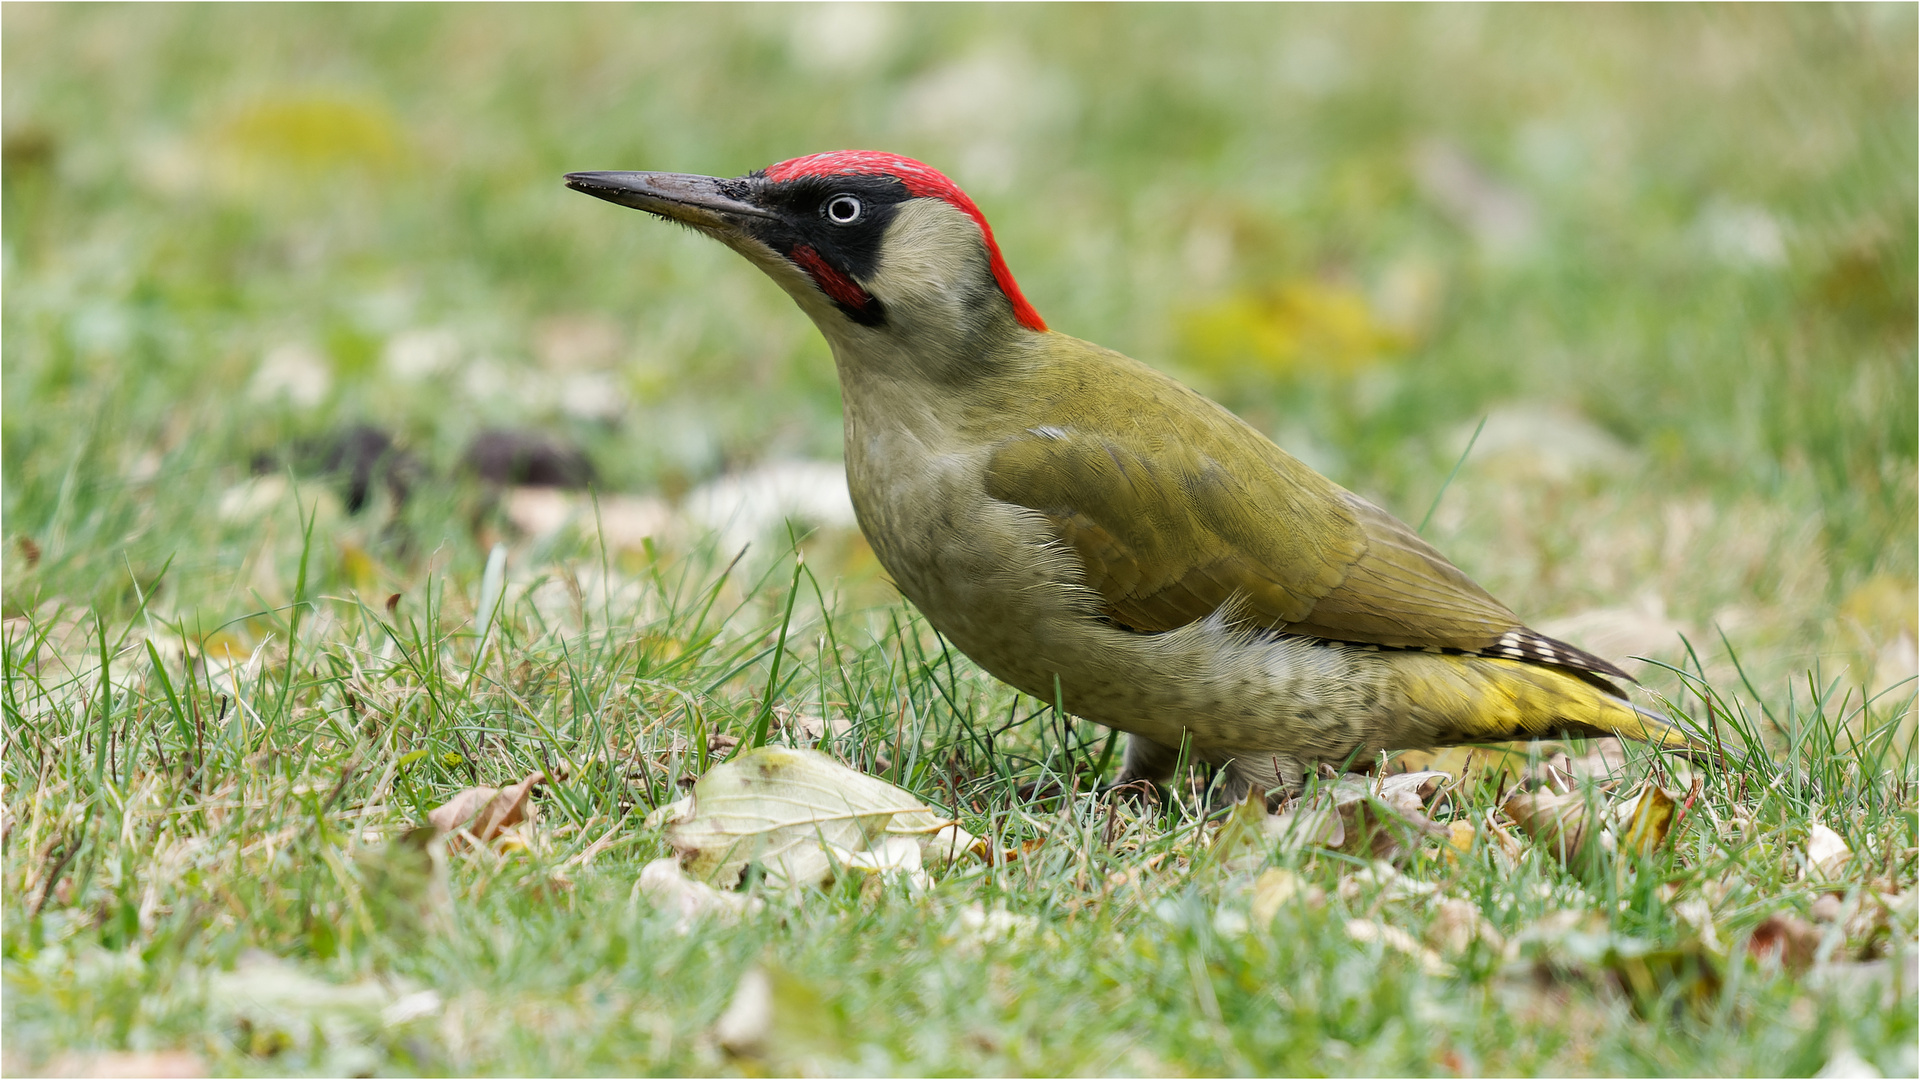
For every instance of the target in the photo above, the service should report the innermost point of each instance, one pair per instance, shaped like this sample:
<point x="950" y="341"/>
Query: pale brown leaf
<point x="800" y="814"/>
<point x="1381" y="817"/>
<point x="1562" y="823"/>
<point x="669" y="887"/>
<point x="484" y="812"/>
<point x="1787" y="940"/>
<point x="1457" y="924"/>
<point x="1827" y="853"/>
<point x="1367" y="931"/>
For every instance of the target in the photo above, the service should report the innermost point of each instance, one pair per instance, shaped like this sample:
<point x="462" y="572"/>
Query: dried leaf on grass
<point x="1567" y="824"/>
<point x="1274" y="888"/>
<point x="802" y="816"/>
<point x="1787" y="940"/>
<point x="1827" y="853"/>
<point x="1561" y="823"/>
<point x="1651" y="820"/>
<point x="669" y="887"/>
<point x="1380" y="817"/>
<point x="1457" y="924"/>
<point x="1366" y="931"/>
<point x="485" y="812"/>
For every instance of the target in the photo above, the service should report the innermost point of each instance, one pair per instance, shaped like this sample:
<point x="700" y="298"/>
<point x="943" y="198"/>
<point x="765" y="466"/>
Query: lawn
<point x="1618" y="302"/>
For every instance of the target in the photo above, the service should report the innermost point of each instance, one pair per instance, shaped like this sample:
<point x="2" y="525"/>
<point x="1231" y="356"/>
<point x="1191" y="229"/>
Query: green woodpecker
<point x="1083" y="526"/>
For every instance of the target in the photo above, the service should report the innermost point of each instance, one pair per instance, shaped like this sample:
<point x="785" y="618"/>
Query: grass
<point x="1685" y="235"/>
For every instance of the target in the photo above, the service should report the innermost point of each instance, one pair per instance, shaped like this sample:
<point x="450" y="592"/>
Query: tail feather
<point x="1510" y="700"/>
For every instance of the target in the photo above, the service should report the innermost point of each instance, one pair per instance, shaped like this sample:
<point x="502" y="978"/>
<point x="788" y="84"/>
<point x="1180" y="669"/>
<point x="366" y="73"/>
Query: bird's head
<point x="883" y="252"/>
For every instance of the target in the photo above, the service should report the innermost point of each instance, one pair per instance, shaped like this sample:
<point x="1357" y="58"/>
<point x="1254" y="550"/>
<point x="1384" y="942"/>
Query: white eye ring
<point x="843" y="209"/>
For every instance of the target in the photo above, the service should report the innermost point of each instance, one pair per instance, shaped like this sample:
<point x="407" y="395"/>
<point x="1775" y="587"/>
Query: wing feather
<point x="1168" y="534"/>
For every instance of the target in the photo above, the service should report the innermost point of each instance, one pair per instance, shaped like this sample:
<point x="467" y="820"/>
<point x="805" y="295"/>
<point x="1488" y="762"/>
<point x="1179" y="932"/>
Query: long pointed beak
<point x="695" y="200"/>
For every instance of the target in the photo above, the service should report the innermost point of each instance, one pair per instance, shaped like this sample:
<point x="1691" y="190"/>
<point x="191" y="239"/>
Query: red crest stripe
<point x="922" y="181"/>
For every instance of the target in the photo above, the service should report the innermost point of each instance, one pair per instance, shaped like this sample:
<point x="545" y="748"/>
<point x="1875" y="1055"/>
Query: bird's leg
<point x="1276" y="775"/>
<point x="1147" y="761"/>
<point x="1146" y="766"/>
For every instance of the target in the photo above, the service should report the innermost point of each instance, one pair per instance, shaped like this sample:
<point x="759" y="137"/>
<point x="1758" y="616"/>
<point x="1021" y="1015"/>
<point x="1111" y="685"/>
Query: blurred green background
<point x="1668" y="252"/>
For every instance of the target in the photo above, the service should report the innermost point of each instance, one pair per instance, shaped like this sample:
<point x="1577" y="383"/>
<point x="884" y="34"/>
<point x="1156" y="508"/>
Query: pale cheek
<point x="931" y="251"/>
<point x="784" y="274"/>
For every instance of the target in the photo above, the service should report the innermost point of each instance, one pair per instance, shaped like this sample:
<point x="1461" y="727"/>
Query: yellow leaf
<point x="358" y="567"/>
<point x="1271" y="890"/>
<point x="1300" y="324"/>
<point x="1652" y="819"/>
<point x="1460" y="836"/>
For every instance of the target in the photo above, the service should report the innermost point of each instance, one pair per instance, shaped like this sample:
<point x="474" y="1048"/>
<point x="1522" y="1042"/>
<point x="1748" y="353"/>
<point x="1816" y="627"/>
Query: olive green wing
<point x="1168" y="532"/>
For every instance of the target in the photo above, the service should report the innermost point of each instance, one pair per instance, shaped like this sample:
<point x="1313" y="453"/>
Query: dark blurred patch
<point x="1869" y="284"/>
<point x="358" y="457"/>
<point x="26" y="151"/>
<point x="527" y="458"/>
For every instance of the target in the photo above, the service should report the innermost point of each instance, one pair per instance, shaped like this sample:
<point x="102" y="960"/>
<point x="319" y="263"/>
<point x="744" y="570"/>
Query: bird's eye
<point x="843" y="209"/>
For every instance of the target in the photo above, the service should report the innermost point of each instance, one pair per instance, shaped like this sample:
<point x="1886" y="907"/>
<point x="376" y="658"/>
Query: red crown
<point x="922" y="181"/>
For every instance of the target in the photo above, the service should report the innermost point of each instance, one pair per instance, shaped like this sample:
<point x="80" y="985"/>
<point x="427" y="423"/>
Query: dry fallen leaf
<point x="801" y="814"/>
<point x="1786" y="939"/>
<point x="1382" y="817"/>
<point x="1457" y="924"/>
<point x="743" y="1028"/>
<point x="1561" y="823"/>
<point x="485" y="811"/>
<point x="1365" y="932"/>
<point x="669" y="887"/>
<point x="1271" y="891"/>
<point x="1650" y="821"/>
<point x="1568" y="824"/>
<point x="1827" y="854"/>
<point x="1460" y="836"/>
